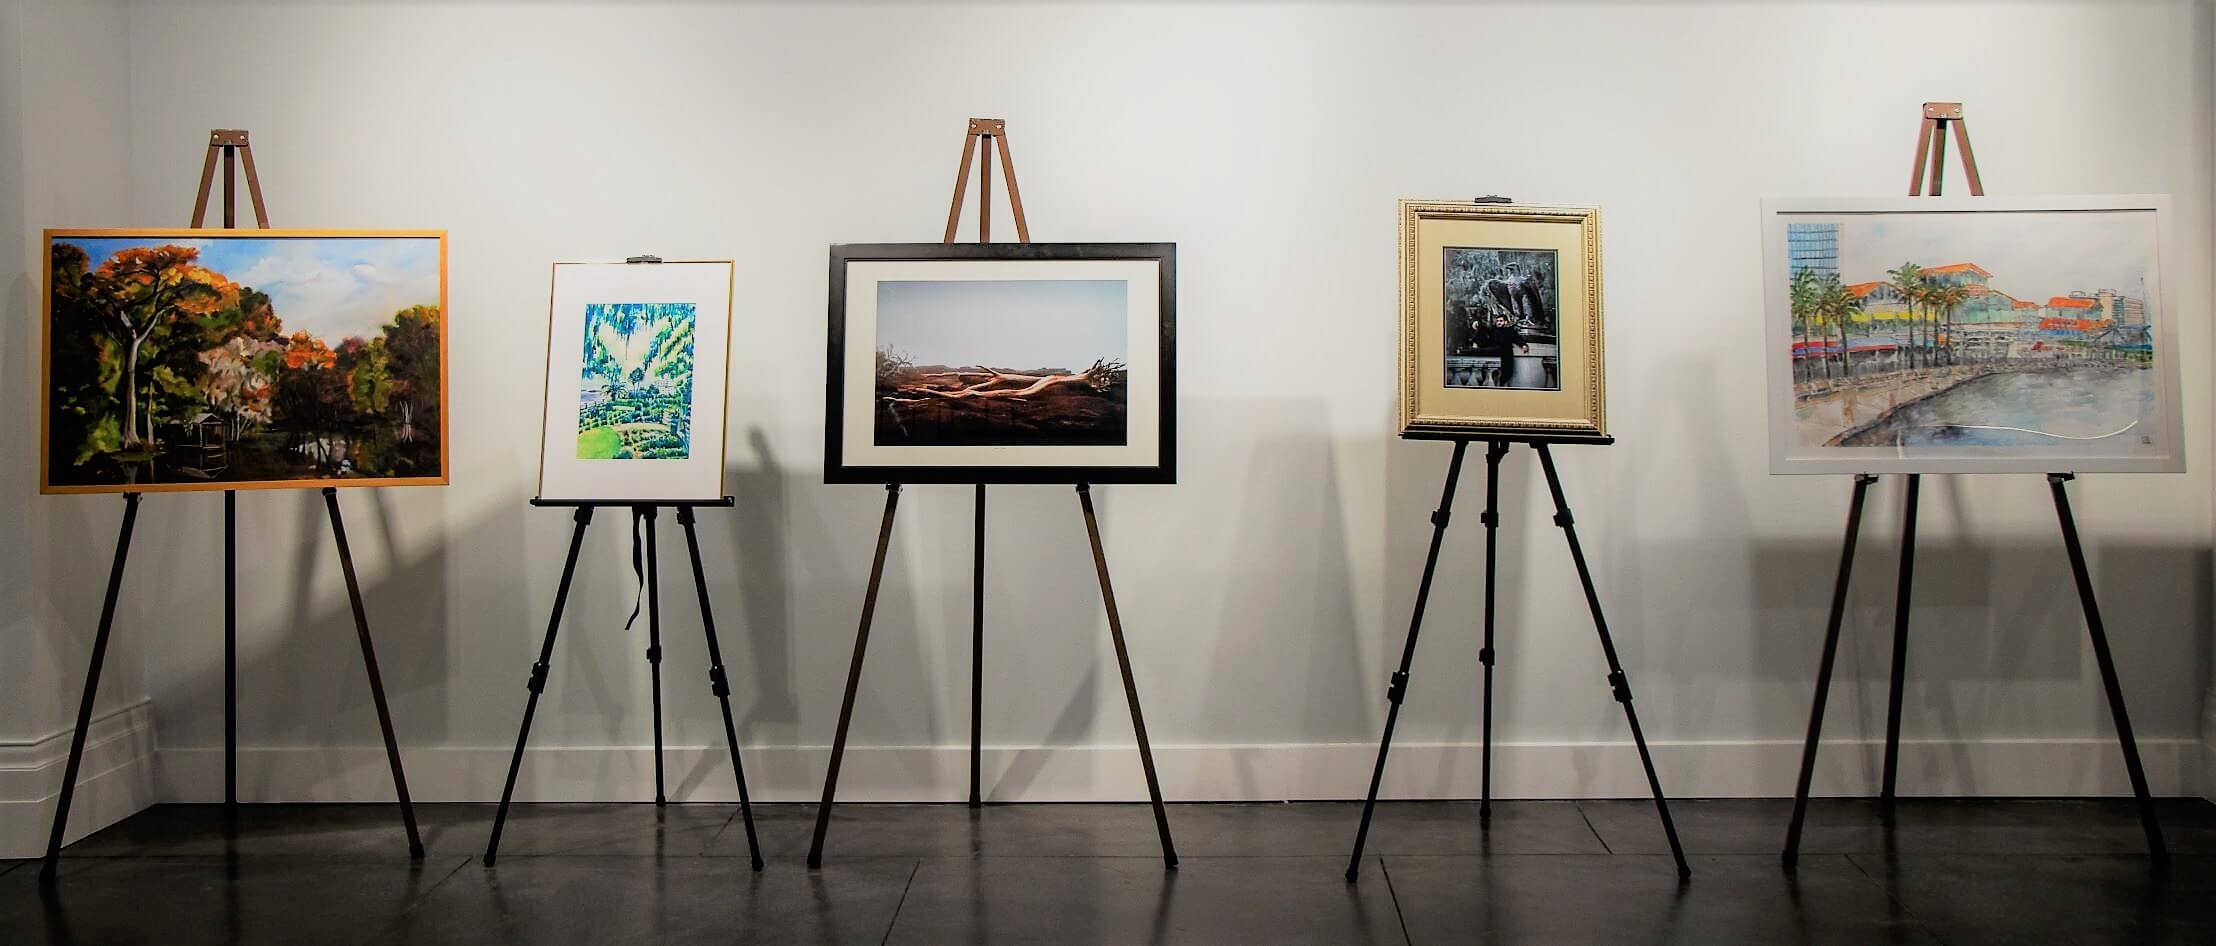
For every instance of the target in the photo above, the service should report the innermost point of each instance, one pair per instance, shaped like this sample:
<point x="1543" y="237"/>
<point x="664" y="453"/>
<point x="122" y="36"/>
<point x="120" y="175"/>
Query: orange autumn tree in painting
<point x="165" y="367"/>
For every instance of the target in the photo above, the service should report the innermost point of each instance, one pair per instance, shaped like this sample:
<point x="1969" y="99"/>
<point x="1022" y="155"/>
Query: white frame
<point x="1787" y="456"/>
<point x="698" y="477"/>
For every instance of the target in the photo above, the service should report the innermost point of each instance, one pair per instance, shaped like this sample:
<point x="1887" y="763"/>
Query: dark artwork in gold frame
<point x="1501" y="321"/>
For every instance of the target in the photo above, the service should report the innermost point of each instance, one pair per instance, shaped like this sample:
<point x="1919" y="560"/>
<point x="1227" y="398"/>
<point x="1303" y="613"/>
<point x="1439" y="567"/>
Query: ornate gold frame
<point x="1578" y="410"/>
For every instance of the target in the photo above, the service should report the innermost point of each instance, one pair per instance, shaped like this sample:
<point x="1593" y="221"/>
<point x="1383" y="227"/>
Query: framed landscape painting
<point x="1002" y="363"/>
<point x="1970" y="335"/>
<point x="636" y="362"/>
<point x="1500" y="321"/>
<point x="243" y="359"/>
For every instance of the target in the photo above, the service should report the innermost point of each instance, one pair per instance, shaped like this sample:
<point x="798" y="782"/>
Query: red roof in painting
<point x="2026" y="304"/>
<point x="1860" y="289"/>
<point x="2067" y="302"/>
<point x="1958" y="268"/>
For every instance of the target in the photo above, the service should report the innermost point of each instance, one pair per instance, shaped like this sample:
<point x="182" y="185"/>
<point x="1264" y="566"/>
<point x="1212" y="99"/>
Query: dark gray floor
<point x="1545" y="872"/>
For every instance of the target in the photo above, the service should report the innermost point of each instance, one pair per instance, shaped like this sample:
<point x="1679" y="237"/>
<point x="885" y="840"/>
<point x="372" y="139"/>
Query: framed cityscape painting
<point x="1002" y="363"/>
<point x="1970" y="335"/>
<point x="637" y="356"/>
<point x="1500" y="321"/>
<point x="243" y="359"/>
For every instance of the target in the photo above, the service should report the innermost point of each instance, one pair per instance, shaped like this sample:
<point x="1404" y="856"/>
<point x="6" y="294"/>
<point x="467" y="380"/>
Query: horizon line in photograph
<point x="1004" y="323"/>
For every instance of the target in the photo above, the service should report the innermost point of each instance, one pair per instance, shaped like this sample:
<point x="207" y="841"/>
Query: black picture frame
<point x="837" y="470"/>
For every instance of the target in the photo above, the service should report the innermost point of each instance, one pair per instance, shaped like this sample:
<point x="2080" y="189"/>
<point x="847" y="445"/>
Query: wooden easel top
<point x="1931" y="145"/>
<point x="984" y="136"/>
<point x="231" y="144"/>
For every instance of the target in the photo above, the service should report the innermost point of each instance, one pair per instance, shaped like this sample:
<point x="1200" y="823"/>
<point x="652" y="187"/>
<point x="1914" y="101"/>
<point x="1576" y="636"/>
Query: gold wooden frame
<point x="730" y="334"/>
<point x="46" y="360"/>
<point x="1579" y="409"/>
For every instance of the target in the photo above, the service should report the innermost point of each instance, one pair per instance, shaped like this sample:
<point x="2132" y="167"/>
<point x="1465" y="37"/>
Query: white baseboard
<point x="115" y="782"/>
<point x="2084" y="767"/>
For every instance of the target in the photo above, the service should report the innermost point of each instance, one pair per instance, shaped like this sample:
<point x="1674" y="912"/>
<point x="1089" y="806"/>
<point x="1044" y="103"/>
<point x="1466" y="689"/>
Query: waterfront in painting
<point x="2029" y="330"/>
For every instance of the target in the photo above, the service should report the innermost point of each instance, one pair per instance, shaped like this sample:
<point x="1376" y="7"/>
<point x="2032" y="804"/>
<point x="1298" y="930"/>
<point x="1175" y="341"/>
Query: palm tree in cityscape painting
<point x="635" y="400"/>
<point x="2051" y="346"/>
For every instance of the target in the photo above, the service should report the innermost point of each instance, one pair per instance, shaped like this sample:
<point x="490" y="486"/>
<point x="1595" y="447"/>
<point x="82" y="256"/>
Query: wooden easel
<point x="985" y="135"/>
<point x="233" y="148"/>
<point x="1931" y="148"/>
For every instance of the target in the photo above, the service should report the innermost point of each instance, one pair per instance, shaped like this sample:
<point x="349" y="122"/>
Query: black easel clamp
<point x="718" y="683"/>
<point x="654" y="655"/>
<point x="1485" y="656"/>
<point x="1563" y="519"/>
<point x="2057" y="479"/>
<point x="537" y="683"/>
<point x="642" y="259"/>
<point x="1439" y="518"/>
<point x="1490" y="518"/>
<point x="1492" y="199"/>
<point x="1397" y="688"/>
<point x="1622" y="685"/>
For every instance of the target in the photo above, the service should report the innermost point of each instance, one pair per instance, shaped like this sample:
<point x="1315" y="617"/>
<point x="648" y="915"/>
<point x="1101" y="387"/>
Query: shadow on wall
<point x="1275" y="569"/>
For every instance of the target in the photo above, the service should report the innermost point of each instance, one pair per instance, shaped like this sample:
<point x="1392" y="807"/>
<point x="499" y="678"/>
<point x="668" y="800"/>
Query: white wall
<point x="64" y="109"/>
<point x="1265" y="594"/>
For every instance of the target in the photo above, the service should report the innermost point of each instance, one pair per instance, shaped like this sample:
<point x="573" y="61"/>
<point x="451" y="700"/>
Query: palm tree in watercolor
<point x="1909" y="280"/>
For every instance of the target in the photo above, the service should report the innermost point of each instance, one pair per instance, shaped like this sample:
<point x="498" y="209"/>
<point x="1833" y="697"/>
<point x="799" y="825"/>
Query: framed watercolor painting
<point x="243" y="359"/>
<point x="1500" y="321"/>
<point x="1970" y="335"/>
<point x="637" y="357"/>
<point x="1002" y="363"/>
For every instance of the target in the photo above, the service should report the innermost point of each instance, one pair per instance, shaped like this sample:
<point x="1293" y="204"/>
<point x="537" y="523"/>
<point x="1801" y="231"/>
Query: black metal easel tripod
<point x="718" y="681"/>
<point x="232" y="147"/>
<point x="1396" y="690"/>
<point x="861" y="646"/>
<point x="1932" y="143"/>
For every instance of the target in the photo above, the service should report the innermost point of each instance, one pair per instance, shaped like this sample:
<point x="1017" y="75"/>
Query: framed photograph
<point x="637" y="357"/>
<point x="1500" y="321"/>
<point x="1970" y="335"/>
<point x="243" y="359"/>
<point x="1002" y="363"/>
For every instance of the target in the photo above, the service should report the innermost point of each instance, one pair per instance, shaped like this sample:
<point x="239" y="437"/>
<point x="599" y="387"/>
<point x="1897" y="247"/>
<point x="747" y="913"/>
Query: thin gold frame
<point x="730" y="322"/>
<point x="1592" y="419"/>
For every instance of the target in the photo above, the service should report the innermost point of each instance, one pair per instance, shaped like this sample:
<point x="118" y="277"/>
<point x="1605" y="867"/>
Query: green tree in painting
<point x="137" y="298"/>
<point x="1806" y="292"/>
<point x="1839" y="307"/>
<point x="1909" y="281"/>
<point x="636" y="381"/>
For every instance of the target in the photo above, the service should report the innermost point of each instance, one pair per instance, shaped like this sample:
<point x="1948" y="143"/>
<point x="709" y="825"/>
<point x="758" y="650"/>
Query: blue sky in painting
<point x="2032" y="256"/>
<point x="1004" y="323"/>
<point x="335" y="288"/>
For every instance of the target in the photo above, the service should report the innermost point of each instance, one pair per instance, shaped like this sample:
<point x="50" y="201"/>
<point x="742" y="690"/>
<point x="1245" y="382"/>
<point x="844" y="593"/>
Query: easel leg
<point x="1616" y="679"/>
<point x="977" y="658"/>
<point x="537" y="683"/>
<point x="1900" y="642"/>
<point x="718" y="681"/>
<point x="376" y="680"/>
<point x="1494" y="451"/>
<point x="654" y="644"/>
<point x="1862" y="483"/>
<point x="230" y="663"/>
<point x="1130" y="685"/>
<point x="854" y="670"/>
<point x="1398" y="687"/>
<point x="92" y="688"/>
<point x="2107" y="661"/>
